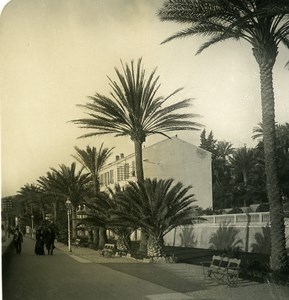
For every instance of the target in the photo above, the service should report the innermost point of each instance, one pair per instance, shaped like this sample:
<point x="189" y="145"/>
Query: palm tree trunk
<point x="55" y="210"/>
<point x="95" y="238"/>
<point x="279" y="260"/>
<point x="124" y="243"/>
<point x="155" y="247"/>
<point x="140" y="178"/>
<point x="102" y="237"/>
<point x="138" y="161"/>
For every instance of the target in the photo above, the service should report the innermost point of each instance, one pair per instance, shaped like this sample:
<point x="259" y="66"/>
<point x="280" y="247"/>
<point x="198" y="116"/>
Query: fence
<point x="262" y="217"/>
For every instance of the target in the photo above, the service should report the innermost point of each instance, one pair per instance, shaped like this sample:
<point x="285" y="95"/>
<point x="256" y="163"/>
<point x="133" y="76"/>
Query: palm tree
<point x="282" y="146"/>
<point x="102" y="212"/>
<point x="265" y="25"/>
<point x="224" y="150"/>
<point x="51" y="196"/>
<point x="134" y="110"/>
<point x="94" y="160"/>
<point x="34" y="198"/>
<point x="157" y="206"/>
<point x="68" y="183"/>
<point x="242" y="162"/>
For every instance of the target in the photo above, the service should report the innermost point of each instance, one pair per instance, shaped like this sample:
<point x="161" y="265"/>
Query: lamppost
<point x="32" y="227"/>
<point x="68" y="207"/>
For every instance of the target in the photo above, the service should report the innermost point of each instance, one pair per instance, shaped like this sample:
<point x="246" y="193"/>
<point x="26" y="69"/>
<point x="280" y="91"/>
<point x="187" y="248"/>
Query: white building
<point x="170" y="158"/>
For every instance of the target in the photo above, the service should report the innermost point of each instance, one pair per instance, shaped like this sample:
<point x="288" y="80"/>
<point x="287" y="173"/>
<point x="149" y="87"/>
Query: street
<point x="83" y="275"/>
<point x="67" y="277"/>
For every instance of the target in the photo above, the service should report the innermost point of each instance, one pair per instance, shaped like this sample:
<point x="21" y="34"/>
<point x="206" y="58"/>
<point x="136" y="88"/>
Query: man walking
<point x="18" y="240"/>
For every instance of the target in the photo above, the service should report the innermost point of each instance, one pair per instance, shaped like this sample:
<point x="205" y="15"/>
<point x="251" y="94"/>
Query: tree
<point x="248" y="176"/>
<point x="68" y="183"/>
<point x="35" y="203"/>
<point x="94" y="160"/>
<point x="157" y="206"/>
<point x="208" y="142"/>
<point x="224" y="150"/>
<point x="242" y="162"/>
<point x="103" y="210"/>
<point x="134" y="110"/>
<point x="221" y="176"/>
<point x="282" y="146"/>
<point x="265" y="25"/>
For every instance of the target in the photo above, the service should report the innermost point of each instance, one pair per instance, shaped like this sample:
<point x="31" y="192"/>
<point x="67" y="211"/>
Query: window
<point x="101" y="179"/>
<point x="123" y="172"/>
<point x="126" y="171"/>
<point x="106" y="178"/>
<point x="120" y="174"/>
<point x="111" y="176"/>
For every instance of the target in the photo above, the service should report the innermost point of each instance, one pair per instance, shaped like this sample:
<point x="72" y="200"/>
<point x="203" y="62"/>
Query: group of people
<point x="44" y="238"/>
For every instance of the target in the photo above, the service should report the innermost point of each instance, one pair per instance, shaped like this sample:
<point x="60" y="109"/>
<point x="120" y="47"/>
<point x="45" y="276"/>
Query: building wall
<point x="184" y="162"/>
<point x="170" y="158"/>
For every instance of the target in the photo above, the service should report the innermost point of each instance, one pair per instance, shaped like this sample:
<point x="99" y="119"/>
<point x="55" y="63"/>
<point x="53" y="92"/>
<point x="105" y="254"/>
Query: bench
<point x="222" y="268"/>
<point x="108" y="250"/>
<point x="76" y="243"/>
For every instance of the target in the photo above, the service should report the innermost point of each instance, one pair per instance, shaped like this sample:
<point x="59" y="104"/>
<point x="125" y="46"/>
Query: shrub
<point x="263" y="207"/>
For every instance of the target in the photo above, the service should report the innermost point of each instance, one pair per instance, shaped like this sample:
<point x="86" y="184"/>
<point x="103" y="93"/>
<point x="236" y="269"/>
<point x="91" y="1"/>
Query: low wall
<point x="250" y="232"/>
<point x="7" y="251"/>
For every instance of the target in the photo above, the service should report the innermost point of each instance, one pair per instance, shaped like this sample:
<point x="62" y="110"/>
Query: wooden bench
<point x="222" y="268"/>
<point x="108" y="250"/>
<point x="76" y="243"/>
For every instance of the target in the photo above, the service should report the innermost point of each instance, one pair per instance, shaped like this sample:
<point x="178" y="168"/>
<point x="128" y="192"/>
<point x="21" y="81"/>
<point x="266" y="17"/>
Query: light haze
<point x="55" y="53"/>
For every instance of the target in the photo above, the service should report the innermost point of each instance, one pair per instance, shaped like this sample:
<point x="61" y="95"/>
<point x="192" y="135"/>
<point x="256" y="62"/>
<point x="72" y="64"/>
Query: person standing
<point x="39" y="245"/>
<point x="18" y="240"/>
<point x="49" y="240"/>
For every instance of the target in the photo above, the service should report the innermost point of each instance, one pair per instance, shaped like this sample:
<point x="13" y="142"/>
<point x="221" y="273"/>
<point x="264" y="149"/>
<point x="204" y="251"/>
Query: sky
<point x="56" y="53"/>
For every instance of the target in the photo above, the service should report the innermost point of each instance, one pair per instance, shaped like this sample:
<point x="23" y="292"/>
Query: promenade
<point x="186" y="279"/>
<point x="85" y="274"/>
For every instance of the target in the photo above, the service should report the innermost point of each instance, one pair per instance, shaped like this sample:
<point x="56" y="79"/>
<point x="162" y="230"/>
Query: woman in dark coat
<point x="49" y="240"/>
<point x="39" y="245"/>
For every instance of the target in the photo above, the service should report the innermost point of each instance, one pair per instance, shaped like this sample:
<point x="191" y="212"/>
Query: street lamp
<point x="32" y="227"/>
<point x="68" y="207"/>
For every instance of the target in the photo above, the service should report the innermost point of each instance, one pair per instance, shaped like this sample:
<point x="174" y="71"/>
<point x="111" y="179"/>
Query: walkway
<point x="185" y="279"/>
<point x="85" y="274"/>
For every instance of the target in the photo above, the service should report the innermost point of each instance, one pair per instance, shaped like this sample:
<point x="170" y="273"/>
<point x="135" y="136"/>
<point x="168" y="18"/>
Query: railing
<point x="262" y="217"/>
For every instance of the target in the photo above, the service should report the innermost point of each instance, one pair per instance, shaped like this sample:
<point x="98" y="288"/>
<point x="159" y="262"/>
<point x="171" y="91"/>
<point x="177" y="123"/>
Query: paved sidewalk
<point x="185" y="279"/>
<point x="93" y="255"/>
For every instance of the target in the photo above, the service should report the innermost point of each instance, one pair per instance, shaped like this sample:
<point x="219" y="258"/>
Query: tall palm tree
<point x="67" y="182"/>
<point x="224" y="150"/>
<point x="134" y="110"/>
<point x="265" y="25"/>
<point x="157" y="206"/>
<point x="33" y="196"/>
<point x="242" y="162"/>
<point x="53" y="197"/>
<point x="282" y="145"/>
<point x="94" y="160"/>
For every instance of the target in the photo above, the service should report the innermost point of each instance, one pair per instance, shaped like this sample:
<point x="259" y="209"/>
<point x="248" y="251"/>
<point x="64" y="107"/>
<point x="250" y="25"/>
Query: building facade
<point x="170" y="158"/>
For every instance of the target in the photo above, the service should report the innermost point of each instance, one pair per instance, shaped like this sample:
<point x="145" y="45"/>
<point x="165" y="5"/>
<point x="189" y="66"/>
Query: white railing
<point x="260" y="217"/>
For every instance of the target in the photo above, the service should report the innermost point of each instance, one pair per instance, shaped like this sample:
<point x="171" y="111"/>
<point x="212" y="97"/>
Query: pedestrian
<point x="39" y="245"/>
<point x="18" y="240"/>
<point x="49" y="240"/>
